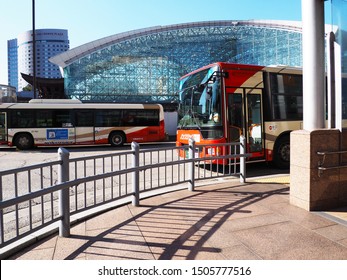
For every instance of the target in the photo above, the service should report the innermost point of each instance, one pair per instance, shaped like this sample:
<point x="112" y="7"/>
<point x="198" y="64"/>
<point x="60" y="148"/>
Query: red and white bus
<point x="221" y="101"/>
<point x="70" y="122"/>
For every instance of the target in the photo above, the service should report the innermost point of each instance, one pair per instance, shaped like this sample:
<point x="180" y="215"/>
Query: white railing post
<point x="242" y="159"/>
<point x="136" y="177"/>
<point x="191" y="155"/>
<point x="64" y="194"/>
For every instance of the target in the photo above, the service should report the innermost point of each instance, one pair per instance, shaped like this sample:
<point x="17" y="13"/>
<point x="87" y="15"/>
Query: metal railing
<point x="324" y="155"/>
<point x="58" y="192"/>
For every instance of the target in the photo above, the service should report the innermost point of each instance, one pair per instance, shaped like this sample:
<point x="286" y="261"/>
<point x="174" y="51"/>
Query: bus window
<point x="62" y="118"/>
<point x="44" y="118"/>
<point x="146" y="117"/>
<point x="2" y="119"/>
<point x="344" y="98"/>
<point x="107" y="118"/>
<point x="287" y="107"/>
<point x="235" y="116"/>
<point x="54" y="118"/>
<point x="286" y="91"/>
<point x="129" y="118"/>
<point x="84" y="118"/>
<point x="151" y="117"/>
<point x="3" y="128"/>
<point x="22" y="119"/>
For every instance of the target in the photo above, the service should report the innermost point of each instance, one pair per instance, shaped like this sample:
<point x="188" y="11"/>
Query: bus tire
<point x="117" y="138"/>
<point x="24" y="141"/>
<point x="282" y="152"/>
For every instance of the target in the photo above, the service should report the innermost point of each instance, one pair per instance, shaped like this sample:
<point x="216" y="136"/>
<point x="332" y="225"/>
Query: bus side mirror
<point x="225" y="75"/>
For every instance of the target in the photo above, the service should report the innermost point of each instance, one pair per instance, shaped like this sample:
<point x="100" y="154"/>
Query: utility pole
<point x="34" y="49"/>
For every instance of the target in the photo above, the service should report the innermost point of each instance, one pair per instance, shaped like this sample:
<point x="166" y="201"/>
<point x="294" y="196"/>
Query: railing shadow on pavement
<point x="177" y="229"/>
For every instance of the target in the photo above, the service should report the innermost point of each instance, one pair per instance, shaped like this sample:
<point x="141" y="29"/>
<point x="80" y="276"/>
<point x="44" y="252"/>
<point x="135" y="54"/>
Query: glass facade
<point x="338" y="19"/>
<point x="12" y="62"/>
<point x="145" y="65"/>
<point x="339" y="9"/>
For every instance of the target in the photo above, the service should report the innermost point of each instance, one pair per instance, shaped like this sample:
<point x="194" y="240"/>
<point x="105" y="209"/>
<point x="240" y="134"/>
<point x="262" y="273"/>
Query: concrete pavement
<point x="220" y="220"/>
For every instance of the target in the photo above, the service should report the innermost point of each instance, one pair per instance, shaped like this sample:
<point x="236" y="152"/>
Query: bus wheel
<point x="24" y="141"/>
<point x="117" y="139"/>
<point x="282" y="152"/>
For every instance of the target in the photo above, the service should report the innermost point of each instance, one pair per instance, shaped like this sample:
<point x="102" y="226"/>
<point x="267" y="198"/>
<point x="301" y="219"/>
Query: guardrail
<point x="54" y="194"/>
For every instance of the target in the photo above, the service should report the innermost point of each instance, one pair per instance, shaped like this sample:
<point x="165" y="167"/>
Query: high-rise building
<point x="49" y="42"/>
<point x="12" y="62"/>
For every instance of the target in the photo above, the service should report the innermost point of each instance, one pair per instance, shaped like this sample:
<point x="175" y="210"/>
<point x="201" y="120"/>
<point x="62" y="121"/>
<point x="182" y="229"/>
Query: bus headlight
<point x="214" y="151"/>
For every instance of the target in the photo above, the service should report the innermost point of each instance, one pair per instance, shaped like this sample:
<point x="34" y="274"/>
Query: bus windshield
<point x="199" y="99"/>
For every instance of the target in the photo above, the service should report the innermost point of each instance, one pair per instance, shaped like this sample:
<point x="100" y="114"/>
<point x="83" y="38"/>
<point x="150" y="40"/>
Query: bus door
<point x="3" y="128"/>
<point x="245" y="118"/>
<point x="254" y="122"/>
<point x="84" y="122"/>
<point x="236" y="116"/>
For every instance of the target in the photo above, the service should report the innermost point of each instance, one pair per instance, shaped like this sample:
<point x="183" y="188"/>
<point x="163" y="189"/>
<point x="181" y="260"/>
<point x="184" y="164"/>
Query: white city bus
<point x="71" y="122"/>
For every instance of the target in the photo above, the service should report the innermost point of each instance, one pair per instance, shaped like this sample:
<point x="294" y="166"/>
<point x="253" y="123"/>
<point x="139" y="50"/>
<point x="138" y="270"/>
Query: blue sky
<point x="88" y="20"/>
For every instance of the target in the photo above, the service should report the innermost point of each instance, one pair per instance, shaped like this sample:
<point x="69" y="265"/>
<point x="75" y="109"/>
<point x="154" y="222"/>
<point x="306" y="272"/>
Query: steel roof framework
<point x="146" y="66"/>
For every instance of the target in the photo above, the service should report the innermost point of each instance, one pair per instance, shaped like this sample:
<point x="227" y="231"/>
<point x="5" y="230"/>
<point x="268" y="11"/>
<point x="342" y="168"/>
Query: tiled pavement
<point x="224" y="220"/>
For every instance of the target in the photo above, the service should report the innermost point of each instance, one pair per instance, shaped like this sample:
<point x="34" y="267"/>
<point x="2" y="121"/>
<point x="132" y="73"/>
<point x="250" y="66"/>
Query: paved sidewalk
<point x="225" y="220"/>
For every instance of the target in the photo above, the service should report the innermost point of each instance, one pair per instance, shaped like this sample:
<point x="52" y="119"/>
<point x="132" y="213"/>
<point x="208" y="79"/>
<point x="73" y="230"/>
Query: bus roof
<point x="236" y="66"/>
<point x="224" y="65"/>
<point x="89" y="106"/>
<point x="56" y="101"/>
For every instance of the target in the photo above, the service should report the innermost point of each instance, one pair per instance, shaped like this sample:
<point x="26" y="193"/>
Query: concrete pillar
<point x="313" y="63"/>
<point x="308" y="190"/>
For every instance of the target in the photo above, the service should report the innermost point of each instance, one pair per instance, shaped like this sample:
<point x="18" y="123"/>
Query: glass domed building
<point x="145" y="65"/>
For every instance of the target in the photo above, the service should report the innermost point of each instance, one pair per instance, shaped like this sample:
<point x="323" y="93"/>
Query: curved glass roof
<point x="145" y="65"/>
